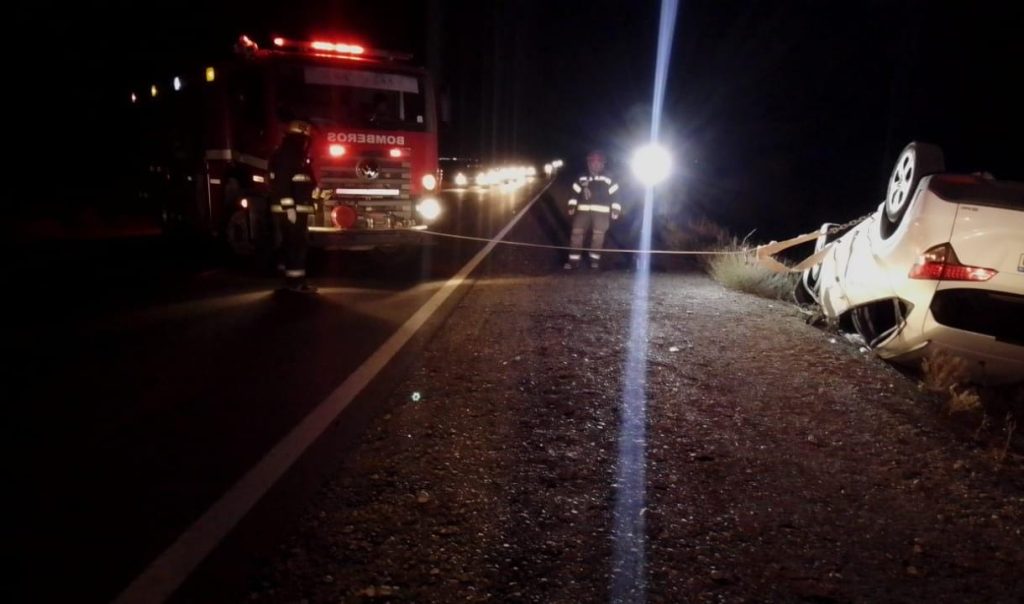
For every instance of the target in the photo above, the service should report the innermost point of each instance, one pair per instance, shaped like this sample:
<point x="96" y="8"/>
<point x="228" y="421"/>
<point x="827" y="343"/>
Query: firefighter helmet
<point x="300" y="127"/>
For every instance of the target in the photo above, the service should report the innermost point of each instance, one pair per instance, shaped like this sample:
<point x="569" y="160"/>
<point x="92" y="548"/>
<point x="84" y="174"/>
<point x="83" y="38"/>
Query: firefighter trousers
<point x="583" y="221"/>
<point x="294" y="245"/>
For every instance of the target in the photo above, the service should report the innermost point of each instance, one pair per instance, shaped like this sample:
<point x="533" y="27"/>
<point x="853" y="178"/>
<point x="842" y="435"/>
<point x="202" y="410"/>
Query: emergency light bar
<point x="337" y="49"/>
<point x="341" y="49"/>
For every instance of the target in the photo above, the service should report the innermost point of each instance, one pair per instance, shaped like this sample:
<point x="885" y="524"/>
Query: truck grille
<point x="368" y="178"/>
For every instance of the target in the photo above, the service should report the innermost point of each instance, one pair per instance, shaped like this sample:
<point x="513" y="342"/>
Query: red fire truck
<point x="374" y="145"/>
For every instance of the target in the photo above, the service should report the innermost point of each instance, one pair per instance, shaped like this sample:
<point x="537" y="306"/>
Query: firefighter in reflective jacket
<point x="593" y="206"/>
<point x="292" y="189"/>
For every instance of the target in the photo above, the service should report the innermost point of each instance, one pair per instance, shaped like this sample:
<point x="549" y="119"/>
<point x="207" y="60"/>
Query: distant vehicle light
<point x="396" y="152"/>
<point x="278" y="41"/>
<point x="548" y="169"/>
<point x="461" y="180"/>
<point x="177" y="83"/>
<point x="429" y="208"/>
<point x="153" y="91"/>
<point x="245" y="204"/>
<point x="429" y="182"/>
<point x="211" y="74"/>
<point x="336" y="150"/>
<point x="134" y="98"/>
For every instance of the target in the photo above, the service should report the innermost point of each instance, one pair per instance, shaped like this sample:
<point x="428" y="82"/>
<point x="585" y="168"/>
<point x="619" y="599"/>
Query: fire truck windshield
<point x="358" y="98"/>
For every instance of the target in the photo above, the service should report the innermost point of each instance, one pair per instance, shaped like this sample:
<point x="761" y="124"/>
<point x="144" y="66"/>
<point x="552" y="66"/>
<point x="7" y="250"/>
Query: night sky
<point x="783" y="114"/>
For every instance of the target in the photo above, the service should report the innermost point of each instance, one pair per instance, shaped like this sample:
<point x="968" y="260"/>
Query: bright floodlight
<point x="651" y="164"/>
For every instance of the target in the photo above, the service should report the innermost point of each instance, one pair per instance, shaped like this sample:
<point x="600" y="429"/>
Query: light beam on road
<point x="628" y="574"/>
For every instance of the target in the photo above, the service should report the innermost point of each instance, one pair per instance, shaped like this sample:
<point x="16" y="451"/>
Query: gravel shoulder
<point x="781" y="464"/>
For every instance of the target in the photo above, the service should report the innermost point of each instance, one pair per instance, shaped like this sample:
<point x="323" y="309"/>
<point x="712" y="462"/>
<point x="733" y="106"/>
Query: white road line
<point x="170" y="569"/>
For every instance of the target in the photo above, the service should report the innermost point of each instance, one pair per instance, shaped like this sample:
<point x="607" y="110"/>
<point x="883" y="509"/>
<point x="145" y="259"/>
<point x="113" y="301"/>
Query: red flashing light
<point x="338" y="48"/>
<point x="395" y="152"/>
<point x="343" y="217"/>
<point x="336" y="150"/>
<point x="941" y="264"/>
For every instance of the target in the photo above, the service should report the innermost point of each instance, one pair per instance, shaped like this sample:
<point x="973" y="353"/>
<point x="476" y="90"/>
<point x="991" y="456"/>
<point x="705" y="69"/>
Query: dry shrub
<point x="942" y="371"/>
<point x="743" y="273"/>
<point x="963" y="401"/>
<point x="948" y="374"/>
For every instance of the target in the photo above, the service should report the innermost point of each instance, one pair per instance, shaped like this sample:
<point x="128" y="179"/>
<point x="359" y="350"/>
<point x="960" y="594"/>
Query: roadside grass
<point x="995" y="411"/>
<point x="992" y="412"/>
<point x="735" y="270"/>
<point x="742" y="273"/>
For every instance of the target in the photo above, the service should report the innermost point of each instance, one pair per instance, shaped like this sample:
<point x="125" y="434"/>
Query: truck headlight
<point x="429" y="208"/>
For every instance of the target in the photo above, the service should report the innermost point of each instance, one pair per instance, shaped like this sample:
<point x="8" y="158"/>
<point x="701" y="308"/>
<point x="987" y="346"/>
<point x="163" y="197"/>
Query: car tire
<point x="916" y="161"/>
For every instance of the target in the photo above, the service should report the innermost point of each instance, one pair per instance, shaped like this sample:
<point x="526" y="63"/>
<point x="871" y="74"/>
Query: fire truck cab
<point x="374" y="146"/>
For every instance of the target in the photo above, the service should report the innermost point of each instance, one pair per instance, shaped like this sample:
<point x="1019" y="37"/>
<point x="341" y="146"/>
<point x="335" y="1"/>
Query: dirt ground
<point x="782" y="464"/>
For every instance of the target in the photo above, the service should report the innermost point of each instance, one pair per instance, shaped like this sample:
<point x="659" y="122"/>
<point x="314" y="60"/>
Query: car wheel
<point x="916" y="161"/>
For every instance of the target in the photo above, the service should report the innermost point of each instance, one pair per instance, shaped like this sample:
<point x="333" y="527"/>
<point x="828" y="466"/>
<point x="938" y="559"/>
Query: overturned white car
<point x="939" y="266"/>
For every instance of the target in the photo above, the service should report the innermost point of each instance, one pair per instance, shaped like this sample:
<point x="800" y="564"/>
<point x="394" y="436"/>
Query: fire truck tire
<point x="238" y="234"/>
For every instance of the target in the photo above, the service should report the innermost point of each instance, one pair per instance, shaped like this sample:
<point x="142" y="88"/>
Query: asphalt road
<point x="145" y="378"/>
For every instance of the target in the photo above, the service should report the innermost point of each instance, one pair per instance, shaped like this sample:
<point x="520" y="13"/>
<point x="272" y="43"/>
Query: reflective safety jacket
<point x="594" y="193"/>
<point x="291" y="180"/>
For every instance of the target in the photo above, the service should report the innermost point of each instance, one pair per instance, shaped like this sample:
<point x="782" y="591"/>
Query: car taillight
<point x="941" y="264"/>
<point x="336" y="150"/>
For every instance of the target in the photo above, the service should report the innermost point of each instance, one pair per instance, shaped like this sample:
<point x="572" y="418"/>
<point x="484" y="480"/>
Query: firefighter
<point x="592" y="207"/>
<point x="291" y="190"/>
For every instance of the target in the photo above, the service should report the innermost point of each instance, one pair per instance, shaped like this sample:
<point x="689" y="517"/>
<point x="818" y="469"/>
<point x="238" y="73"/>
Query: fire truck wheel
<point x="239" y="233"/>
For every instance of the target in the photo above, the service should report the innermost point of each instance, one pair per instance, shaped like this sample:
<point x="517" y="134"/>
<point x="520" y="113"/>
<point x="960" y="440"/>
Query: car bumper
<point x="989" y="360"/>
